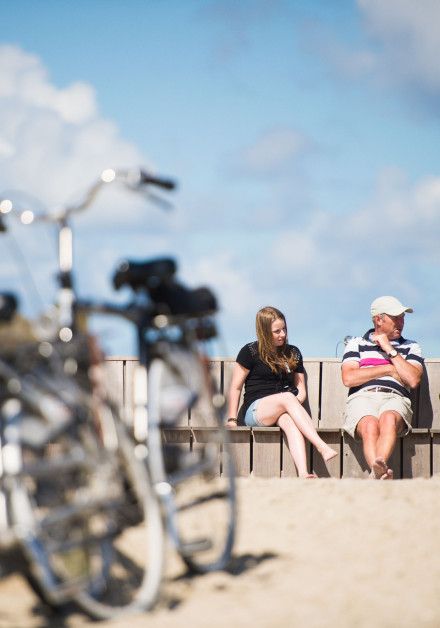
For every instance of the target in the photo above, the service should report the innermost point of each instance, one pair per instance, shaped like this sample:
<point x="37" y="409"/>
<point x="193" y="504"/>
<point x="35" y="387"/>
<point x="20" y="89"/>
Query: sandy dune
<point x="315" y="553"/>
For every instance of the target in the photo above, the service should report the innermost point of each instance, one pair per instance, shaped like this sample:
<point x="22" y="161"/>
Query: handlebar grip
<point x="160" y="182"/>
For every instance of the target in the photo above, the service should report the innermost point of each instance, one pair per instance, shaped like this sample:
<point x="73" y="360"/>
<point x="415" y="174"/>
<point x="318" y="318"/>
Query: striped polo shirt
<point x="368" y="353"/>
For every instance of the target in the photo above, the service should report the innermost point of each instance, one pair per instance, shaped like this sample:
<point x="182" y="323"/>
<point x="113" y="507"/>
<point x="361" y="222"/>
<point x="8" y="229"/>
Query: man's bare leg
<point x="368" y="430"/>
<point x="389" y="425"/>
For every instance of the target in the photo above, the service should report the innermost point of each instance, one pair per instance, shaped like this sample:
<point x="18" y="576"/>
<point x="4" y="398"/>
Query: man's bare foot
<point x="380" y="470"/>
<point x="327" y="453"/>
<point x="389" y="475"/>
<point x="309" y="476"/>
<point x="373" y="476"/>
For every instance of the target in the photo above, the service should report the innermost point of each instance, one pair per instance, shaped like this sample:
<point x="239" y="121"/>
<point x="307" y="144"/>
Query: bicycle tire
<point x="196" y="479"/>
<point x="81" y="493"/>
<point x="133" y="578"/>
<point x="76" y="499"/>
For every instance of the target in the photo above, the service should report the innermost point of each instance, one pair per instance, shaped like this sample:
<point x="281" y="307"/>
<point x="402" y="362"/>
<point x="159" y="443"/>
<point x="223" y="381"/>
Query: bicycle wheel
<point x="195" y="477"/>
<point x="87" y="521"/>
<point x="130" y="581"/>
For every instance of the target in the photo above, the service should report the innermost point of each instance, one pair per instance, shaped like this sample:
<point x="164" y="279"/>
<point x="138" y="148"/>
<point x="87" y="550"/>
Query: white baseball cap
<point x="388" y="305"/>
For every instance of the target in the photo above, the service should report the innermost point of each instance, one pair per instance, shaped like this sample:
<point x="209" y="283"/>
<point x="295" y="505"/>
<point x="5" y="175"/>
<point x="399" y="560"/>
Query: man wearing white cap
<point x="380" y="368"/>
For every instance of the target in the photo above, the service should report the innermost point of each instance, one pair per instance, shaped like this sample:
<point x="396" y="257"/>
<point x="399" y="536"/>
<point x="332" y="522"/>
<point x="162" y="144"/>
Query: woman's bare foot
<point x="327" y="453"/>
<point x="309" y="476"/>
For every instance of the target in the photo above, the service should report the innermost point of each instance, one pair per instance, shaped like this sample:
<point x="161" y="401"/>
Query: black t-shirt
<point x="262" y="381"/>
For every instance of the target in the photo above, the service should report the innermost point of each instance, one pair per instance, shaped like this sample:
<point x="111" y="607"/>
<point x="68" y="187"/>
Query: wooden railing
<point x="263" y="451"/>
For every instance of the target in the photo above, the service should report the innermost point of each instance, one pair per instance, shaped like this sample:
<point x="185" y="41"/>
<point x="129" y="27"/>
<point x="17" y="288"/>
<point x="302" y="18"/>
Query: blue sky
<point x="304" y="136"/>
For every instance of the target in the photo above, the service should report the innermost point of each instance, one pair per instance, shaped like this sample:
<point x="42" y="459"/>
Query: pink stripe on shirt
<point x="373" y="362"/>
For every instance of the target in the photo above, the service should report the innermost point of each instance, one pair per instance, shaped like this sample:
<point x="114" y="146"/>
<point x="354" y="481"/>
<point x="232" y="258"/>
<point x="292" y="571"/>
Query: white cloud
<point x="272" y="152"/>
<point x="228" y="277"/>
<point x="401" y="49"/>
<point x="409" y="35"/>
<point x="298" y="249"/>
<point x="385" y="240"/>
<point x="25" y="80"/>
<point x="53" y="141"/>
<point x="6" y="148"/>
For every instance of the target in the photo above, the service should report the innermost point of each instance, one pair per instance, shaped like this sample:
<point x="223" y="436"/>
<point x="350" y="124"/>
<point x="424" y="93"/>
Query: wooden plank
<point x="332" y="468"/>
<point x="176" y="442"/>
<point x="353" y="461"/>
<point x="416" y="461"/>
<point x="313" y="375"/>
<point x="266" y="452"/>
<point x="333" y="395"/>
<point x="435" y="444"/>
<point x="228" y="367"/>
<point x="203" y="435"/>
<point x="216" y="371"/>
<point x="203" y="414"/>
<point x="240" y="447"/>
<point x="428" y="409"/>
<point x="177" y="436"/>
<point x="395" y="461"/>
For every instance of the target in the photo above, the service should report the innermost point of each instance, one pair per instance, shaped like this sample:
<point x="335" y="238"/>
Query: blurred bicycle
<point x="194" y="482"/>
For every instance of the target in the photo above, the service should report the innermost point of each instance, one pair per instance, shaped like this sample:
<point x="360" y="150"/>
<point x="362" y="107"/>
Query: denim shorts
<point x="250" y="418"/>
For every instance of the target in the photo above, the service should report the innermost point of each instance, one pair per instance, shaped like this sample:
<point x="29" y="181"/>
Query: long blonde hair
<point x="276" y="358"/>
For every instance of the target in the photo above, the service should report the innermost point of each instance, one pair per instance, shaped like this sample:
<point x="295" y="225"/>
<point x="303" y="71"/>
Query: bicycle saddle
<point x="175" y="299"/>
<point x="8" y="306"/>
<point x="169" y="296"/>
<point x="144" y="274"/>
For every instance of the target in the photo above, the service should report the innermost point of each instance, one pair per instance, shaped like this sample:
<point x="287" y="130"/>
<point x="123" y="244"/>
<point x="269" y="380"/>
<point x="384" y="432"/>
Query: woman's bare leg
<point x="296" y="443"/>
<point x="270" y="408"/>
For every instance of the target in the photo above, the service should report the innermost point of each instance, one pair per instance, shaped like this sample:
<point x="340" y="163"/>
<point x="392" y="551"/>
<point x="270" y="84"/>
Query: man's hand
<point x="383" y="341"/>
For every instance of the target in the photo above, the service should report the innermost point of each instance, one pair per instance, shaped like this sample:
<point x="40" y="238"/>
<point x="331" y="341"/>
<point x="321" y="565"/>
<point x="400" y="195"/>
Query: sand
<point x="315" y="553"/>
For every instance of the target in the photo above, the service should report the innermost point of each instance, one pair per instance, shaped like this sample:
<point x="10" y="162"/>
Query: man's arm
<point x="353" y="375"/>
<point x="409" y="374"/>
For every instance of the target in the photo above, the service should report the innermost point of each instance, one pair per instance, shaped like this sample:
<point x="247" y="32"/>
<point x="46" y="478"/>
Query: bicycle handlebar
<point x="147" y="179"/>
<point x="134" y="179"/>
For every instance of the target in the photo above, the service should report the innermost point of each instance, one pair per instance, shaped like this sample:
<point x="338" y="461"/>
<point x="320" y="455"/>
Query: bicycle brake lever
<point x="158" y="200"/>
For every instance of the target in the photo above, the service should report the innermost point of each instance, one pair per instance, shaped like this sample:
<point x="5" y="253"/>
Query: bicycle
<point x="169" y="354"/>
<point x="107" y="576"/>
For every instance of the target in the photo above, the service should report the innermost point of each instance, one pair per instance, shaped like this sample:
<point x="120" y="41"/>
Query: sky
<point x="304" y="136"/>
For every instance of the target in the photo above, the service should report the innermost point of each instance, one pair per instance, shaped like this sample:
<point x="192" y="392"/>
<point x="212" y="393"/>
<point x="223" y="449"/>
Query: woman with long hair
<point x="272" y="374"/>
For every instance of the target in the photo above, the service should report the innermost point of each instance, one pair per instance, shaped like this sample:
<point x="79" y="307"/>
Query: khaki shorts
<point x="364" y="403"/>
